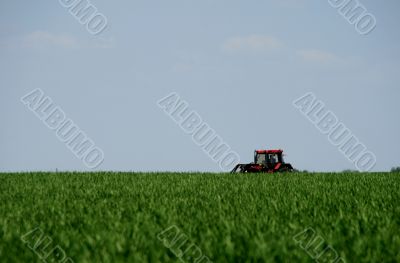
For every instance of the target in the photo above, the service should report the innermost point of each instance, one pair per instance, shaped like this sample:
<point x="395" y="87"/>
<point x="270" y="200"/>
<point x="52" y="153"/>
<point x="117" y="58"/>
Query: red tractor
<point x="265" y="161"/>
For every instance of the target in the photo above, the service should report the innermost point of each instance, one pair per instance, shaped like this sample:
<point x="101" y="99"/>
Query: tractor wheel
<point x="286" y="169"/>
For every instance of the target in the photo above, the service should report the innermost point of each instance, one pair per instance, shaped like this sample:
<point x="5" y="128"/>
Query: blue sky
<point x="239" y="64"/>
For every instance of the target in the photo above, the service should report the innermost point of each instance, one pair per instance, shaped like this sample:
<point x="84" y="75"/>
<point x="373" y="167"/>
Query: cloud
<point x="43" y="39"/>
<point x="314" y="55"/>
<point x="253" y="43"/>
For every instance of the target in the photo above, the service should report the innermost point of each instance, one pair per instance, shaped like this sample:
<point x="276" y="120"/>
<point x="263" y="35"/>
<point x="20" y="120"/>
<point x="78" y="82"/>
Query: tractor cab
<point x="268" y="158"/>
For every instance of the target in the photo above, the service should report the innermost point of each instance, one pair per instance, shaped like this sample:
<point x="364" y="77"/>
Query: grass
<point x="116" y="217"/>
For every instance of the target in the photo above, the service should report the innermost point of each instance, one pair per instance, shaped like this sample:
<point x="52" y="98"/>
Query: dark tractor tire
<point x="286" y="168"/>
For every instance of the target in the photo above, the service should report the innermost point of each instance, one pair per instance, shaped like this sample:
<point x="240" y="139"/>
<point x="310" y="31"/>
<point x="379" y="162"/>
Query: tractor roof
<point x="269" y="151"/>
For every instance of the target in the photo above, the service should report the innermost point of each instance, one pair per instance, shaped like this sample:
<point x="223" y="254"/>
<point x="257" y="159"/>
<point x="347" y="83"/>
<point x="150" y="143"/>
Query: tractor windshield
<point x="260" y="158"/>
<point x="268" y="158"/>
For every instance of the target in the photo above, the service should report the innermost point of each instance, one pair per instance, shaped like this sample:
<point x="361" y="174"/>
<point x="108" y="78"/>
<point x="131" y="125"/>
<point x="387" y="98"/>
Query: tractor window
<point x="260" y="159"/>
<point x="273" y="158"/>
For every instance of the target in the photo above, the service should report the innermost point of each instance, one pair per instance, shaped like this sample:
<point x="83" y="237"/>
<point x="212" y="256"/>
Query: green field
<point x="117" y="217"/>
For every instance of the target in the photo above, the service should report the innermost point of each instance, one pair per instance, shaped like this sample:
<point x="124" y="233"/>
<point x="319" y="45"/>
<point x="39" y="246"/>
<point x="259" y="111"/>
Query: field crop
<point x="118" y="217"/>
